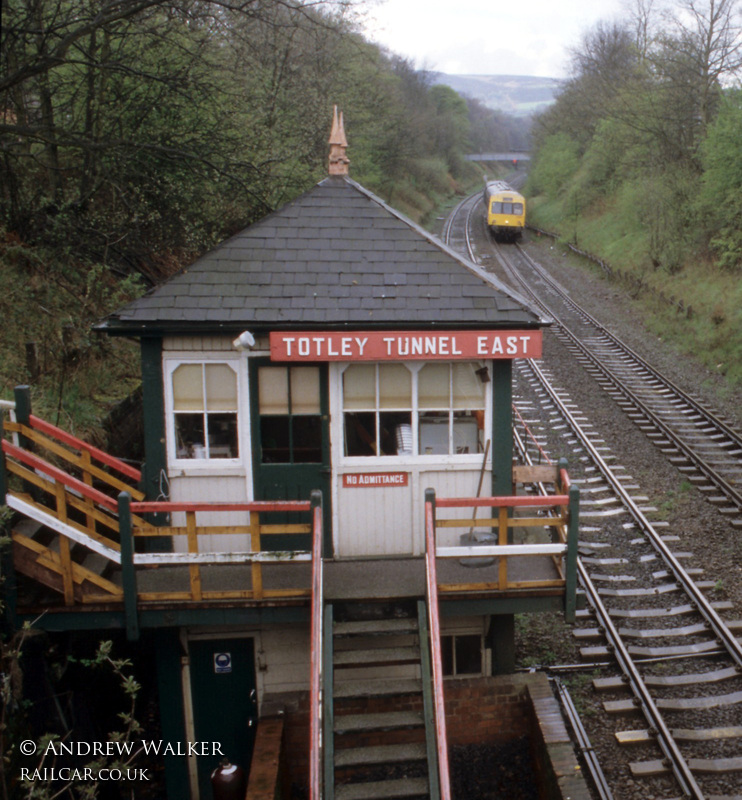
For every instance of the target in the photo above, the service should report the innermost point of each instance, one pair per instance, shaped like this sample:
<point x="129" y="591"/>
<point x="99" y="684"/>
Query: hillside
<point x="517" y="95"/>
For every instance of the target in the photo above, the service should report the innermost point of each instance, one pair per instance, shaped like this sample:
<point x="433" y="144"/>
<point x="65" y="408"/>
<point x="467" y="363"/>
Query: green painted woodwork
<point x="3" y="472"/>
<point x="328" y="708"/>
<point x="501" y="639"/>
<point x="128" y="570"/>
<point x="62" y="620"/>
<point x="154" y="469"/>
<point x="570" y="589"/>
<point x="23" y="404"/>
<point x="426" y="676"/>
<point x="291" y="478"/>
<point x="225" y="707"/>
<point x="502" y="427"/>
<point x="168" y="652"/>
<point x="22" y="415"/>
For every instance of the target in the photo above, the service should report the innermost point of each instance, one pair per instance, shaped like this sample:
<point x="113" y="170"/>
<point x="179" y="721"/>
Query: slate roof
<point x="336" y="257"/>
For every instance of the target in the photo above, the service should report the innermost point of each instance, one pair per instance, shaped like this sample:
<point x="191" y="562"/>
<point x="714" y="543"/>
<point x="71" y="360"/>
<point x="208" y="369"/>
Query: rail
<point x="526" y="440"/>
<point x="439" y="709"/>
<point x="315" y="693"/>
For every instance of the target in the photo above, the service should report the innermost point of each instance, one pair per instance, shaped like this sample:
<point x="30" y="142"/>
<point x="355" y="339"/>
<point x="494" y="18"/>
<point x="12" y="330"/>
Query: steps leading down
<point x="381" y="742"/>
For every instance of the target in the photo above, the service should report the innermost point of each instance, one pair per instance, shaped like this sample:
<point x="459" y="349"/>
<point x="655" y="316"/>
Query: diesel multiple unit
<point x="506" y="210"/>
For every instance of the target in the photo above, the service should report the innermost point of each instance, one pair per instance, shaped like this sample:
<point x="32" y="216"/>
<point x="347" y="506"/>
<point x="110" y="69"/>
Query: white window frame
<point x="170" y="364"/>
<point x="416" y="458"/>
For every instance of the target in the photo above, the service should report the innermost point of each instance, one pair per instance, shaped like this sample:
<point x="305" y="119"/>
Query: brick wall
<point x="491" y="710"/>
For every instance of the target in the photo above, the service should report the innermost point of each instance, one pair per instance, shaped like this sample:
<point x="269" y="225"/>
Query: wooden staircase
<point x="45" y="556"/>
<point x="380" y="737"/>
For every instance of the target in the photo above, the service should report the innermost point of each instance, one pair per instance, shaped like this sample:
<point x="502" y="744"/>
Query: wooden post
<point x="570" y="588"/>
<point x="65" y="555"/>
<point x="22" y="404"/>
<point x="22" y="415"/>
<point x="128" y="570"/>
<point x="315" y="501"/>
<point x="502" y="538"/>
<point x="3" y="473"/>
<point x="255" y="547"/>
<point x="87" y="477"/>
<point x="6" y="553"/>
<point x="502" y="428"/>
<point x="328" y="709"/>
<point x="194" y="569"/>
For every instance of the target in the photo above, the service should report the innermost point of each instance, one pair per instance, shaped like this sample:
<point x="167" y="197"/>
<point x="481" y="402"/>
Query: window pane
<point x="395" y="386"/>
<point x="465" y="433"/>
<point x="274" y="438"/>
<point x="222" y="435"/>
<point x="273" y="390"/>
<point x="433" y="386"/>
<point x="517" y="208"/>
<point x="359" y="387"/>
<point x="188" y="388"/>
<point x="305" y="390"/>
<point x="433" y="434"/>
<point x="447" y="654"/>
<point x="395" y="433"/>
<point x="307" y="439"/>
<point x="360" y="434"/>
<point x="221" y="388"/>
<point x="468" y="390"/>
<point x="189" y="436"/>
<point x="468" y="655"/>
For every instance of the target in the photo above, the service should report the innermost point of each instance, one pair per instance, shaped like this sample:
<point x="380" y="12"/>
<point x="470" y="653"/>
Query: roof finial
<point x="338" y="160"/>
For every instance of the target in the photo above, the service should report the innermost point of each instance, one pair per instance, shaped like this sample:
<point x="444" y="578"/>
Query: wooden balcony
<point x="83" y="542"/>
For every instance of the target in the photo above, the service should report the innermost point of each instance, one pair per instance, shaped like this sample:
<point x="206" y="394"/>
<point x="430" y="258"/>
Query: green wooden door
<point x="224" y="703"/>
<point x="291" y="442"/>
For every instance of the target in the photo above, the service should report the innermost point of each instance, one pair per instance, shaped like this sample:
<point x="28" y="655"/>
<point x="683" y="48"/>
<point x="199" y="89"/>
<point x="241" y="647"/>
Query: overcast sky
<point x="486" y="37"/>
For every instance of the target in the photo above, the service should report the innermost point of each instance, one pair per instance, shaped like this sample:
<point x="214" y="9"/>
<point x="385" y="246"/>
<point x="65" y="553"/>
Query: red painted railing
<point x="77" y="444"/>
<point x="435" y="644"/>
<point x="315" y="698"/>
<point x="59" y="475"/>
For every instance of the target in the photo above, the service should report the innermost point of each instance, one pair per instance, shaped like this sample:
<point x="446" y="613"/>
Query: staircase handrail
<point x="435" y="644"/>
<point x="69" y="439"/>
<point x="316" y="699"/>
<point x="45" y="467"/>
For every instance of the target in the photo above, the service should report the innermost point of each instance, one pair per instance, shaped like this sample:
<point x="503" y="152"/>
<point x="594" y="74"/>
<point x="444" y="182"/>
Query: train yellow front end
<point x="506" y="211"/>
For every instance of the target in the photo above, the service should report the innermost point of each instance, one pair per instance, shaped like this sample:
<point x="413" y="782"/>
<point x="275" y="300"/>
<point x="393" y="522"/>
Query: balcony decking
<point x="83" y="545"/>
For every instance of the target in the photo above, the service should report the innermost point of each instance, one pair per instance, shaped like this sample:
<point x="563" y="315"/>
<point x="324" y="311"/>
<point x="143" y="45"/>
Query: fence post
<point x="7" y="568"/>
<point x="23" y="416"/>
<point x="570" y="599"/>
<point x="22" y="403"/>
<point x="3" y="473"/>
<point x="128" y="570"/>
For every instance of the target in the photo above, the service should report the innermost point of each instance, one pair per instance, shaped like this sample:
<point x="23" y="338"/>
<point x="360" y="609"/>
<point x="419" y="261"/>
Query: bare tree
<point x="704" y="50"/>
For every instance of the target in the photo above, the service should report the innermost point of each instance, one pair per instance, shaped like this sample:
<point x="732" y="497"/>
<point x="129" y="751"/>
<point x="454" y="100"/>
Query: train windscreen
<point x="507" y="208"/>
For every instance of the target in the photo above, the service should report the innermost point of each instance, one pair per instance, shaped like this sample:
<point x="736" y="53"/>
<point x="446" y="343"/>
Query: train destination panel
<point x="404" y="345"/>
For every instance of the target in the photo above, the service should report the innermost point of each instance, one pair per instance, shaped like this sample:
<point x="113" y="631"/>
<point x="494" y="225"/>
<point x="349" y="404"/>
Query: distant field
<point x="518" y="95"/>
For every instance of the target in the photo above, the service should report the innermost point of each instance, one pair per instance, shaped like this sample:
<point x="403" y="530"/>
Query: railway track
<point x="699" y="442"/>
<point x="664" y="650"/>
